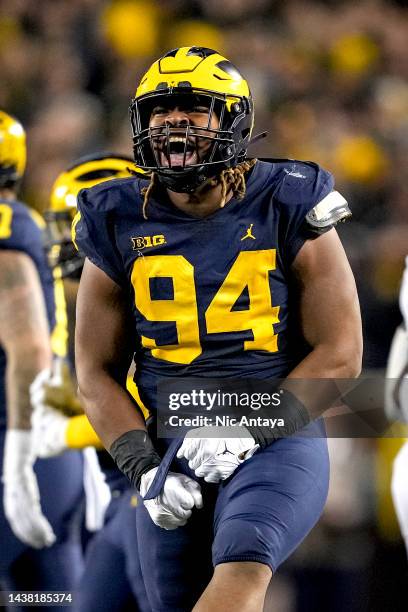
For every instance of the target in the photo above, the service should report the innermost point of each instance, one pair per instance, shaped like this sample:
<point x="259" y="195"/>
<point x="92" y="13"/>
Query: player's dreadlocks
<point x="229" y="178"/>
<point x="235" y="178"/>
<point x="146" y="191"/>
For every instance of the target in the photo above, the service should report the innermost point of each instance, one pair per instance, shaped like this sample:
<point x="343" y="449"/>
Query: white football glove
<point x="173" y="507"/>
<point x="215" y="459"/>
<point x="48" y="431"/>
<point x="56" y="389"/>
<point x="21" y="497"/>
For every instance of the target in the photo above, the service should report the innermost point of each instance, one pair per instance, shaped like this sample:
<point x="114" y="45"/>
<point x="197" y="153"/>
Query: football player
<point x="39" y="547"/>
<point x="396" y="403"/>
<point x="111" y="572"/>
<point x="217" y="264"/>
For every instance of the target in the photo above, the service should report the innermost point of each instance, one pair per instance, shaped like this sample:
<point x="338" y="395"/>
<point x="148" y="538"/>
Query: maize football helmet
<point x="209" y="80"/>
<point x="84" y="173"/>
<point x="12" y="150"/>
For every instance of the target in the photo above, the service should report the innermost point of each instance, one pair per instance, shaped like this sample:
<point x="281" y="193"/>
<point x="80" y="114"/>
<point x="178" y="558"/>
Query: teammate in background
<point x="111" y="579"/>
<point x="39" y="547"/>
<point x="396" y="403"/>
<point x="168" y="274"/>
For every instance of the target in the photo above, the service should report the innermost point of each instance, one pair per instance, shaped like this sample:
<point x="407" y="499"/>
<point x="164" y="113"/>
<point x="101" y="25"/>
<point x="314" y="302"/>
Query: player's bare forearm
<point x="109" y="409"/>
<point x="19" y="376"/>
<point x="24" y="332"/>
<point x="103" y="351"/>
<point x="330" y="320"/>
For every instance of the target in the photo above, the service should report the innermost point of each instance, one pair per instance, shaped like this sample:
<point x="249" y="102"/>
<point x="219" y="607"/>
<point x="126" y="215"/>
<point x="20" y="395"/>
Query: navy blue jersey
<point x="210" y="297"/>
<point x="21" y="230"/>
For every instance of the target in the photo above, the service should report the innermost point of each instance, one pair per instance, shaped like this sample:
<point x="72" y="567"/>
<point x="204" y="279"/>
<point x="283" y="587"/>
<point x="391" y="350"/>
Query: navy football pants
<point x="262" y="513"/>
<point x="112" y="579"/>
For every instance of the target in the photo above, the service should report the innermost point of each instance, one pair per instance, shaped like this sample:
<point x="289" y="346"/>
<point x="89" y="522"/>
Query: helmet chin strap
<point x="257" y="138"/>
<point x="187" y="181"/>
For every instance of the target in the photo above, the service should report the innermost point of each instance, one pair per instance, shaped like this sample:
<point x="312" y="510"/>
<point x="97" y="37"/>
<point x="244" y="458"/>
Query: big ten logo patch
<point x="144" y="242"/>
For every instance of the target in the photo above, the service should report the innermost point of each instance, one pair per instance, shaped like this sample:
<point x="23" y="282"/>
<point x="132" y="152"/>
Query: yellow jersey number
<point x="249" y="271"/>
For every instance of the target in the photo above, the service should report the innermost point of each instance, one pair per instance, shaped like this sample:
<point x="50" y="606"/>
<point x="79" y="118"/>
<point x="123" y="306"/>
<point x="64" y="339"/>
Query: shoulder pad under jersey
<point x="300" y="184"/>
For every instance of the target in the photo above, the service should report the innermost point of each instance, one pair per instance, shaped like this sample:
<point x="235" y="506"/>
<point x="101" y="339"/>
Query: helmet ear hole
<point x="227" y="149"/>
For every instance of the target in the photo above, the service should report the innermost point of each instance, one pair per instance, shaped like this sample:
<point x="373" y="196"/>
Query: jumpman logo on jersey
<point x="249" y="233"/>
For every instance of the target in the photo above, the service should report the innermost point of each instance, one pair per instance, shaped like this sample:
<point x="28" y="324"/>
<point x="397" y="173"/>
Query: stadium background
<point x="329" y="81"/>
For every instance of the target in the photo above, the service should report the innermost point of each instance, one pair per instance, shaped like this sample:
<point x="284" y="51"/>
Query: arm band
<point x="290" y="410"/>
<point x="134" y="454"/>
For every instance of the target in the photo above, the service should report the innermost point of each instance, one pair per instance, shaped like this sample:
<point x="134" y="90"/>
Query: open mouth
<point x="178" y="151"/>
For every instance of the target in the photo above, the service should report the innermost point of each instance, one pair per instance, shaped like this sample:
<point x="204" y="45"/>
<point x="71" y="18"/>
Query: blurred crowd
<point x="329" y="80"/>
